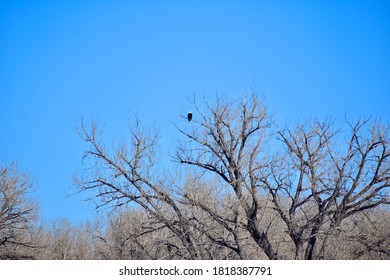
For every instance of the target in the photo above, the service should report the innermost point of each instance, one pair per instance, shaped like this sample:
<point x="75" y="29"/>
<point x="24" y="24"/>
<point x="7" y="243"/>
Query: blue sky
<point x="108" y="60"/>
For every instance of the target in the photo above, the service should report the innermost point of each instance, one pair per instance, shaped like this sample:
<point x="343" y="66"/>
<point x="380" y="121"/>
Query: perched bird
<point x="189" y="116"/>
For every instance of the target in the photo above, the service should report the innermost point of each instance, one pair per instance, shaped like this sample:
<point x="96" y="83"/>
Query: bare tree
<point x="127" y="175"/>
<point x="320" y="181"/>
<point x="312" y="184"/>
<point x="228" y="141"/>
<point x="17" y="212"/>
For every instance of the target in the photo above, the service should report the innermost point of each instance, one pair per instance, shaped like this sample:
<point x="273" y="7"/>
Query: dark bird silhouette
<point x="189" y="116"/>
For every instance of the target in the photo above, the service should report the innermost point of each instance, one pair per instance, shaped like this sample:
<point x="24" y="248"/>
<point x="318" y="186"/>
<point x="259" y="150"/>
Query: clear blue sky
<point x="107" y="60"/>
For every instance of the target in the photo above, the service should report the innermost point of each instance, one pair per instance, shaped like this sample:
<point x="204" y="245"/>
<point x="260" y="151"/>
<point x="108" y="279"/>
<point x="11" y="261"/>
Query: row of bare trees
<point x="121" y="236"/>
<point x="242" y="188"/>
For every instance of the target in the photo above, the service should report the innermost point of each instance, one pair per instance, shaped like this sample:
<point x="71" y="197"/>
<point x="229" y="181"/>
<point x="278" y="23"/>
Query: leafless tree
<point x="127" y="175"/>
<point x="313" y="180"/>
<point x="322" y="180"/>
<point x="228" y="140"/>
<point x="17" y="212"/>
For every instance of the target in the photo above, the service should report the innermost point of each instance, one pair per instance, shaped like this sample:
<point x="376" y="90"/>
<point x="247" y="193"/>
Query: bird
<point x="189" y="116"/>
